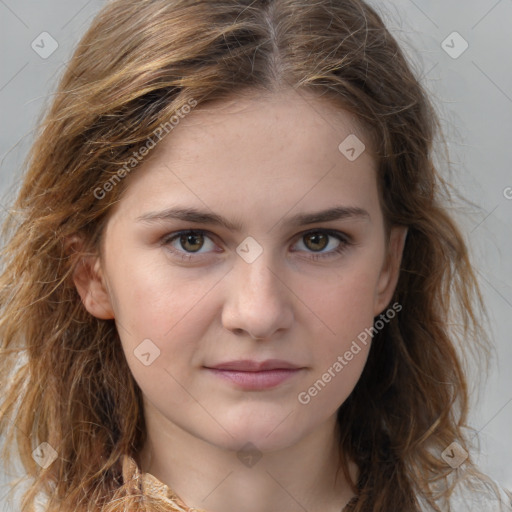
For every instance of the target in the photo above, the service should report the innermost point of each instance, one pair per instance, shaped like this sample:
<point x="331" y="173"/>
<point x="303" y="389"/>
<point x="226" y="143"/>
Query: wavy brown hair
<point x="138" y="64"/>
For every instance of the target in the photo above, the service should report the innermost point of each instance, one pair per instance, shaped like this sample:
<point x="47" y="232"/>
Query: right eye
<point x="186" y="243"/>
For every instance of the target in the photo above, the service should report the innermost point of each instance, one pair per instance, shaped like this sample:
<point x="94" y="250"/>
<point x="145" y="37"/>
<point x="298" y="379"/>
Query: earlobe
<point x="90" y="284"/>
<point x="390" y="272"/>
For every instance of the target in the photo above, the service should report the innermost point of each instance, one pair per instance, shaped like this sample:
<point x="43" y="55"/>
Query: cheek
<point x="346" y="306"/>
<point x="329" y="389"/>
<point x="160" y="317"/>
<point x="341" y="344"/>
<point x="155" y="299"/>
<point x="343" y="337"/>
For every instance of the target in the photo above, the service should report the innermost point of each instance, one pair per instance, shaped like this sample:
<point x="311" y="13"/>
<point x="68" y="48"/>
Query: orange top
<point x="147" y="485"/>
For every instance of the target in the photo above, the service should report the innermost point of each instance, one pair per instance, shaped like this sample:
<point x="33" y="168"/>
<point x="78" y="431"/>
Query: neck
<point x="300" y="476"/>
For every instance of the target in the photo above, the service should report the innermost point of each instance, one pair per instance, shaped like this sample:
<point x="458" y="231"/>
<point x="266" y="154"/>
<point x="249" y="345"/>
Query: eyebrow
<point x="202" y="217"/>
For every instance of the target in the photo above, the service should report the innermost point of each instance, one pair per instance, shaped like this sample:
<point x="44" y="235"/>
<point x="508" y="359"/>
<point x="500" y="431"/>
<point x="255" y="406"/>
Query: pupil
<point x="188" y="238"/>
<point x="315" y="237"/>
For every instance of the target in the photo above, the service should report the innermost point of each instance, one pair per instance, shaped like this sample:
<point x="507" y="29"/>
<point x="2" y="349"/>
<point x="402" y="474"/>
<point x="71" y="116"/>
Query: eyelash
<point x="344" y="239"/>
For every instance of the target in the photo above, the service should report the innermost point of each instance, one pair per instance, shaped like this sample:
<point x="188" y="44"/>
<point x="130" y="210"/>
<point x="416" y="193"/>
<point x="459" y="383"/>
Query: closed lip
<point x="249" y="365"/>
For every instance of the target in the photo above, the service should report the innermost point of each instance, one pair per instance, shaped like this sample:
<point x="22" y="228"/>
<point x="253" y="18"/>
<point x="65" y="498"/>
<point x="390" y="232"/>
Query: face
<point x="253" y="276"/>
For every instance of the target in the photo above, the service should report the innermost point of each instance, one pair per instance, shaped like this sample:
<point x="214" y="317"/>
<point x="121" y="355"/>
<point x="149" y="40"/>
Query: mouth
<point x="251" y="380"/>
<point x="254" y="375"/>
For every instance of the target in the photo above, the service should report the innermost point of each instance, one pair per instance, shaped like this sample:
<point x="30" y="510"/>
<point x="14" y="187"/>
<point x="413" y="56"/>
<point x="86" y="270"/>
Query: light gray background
<point x="473" y="94"/>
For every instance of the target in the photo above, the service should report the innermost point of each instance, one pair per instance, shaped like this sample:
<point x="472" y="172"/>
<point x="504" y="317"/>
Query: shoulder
<point x="485" y="500"/>
<point x="473" y="494"/>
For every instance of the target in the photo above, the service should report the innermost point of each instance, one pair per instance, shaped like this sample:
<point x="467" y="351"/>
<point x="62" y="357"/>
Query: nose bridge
<point x="259" y="278"/>
<point x="258" y="302"/>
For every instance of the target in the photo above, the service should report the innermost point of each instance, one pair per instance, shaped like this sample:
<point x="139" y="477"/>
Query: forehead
<point x="259" y="124"/>
<point x="275" y="148"/>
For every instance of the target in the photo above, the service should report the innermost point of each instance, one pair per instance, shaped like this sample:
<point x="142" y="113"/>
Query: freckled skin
<point x="256" y="161"/>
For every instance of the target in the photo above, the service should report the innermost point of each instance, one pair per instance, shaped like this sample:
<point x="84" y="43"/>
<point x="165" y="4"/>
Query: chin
<point x="262" y="435"/>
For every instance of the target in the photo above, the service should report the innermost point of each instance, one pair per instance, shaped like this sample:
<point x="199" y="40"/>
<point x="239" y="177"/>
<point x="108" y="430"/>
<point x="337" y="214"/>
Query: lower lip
<point x="256" y="380"/>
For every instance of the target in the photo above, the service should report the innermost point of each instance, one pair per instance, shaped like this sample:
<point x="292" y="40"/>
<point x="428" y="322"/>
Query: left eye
<point x="192" y="241"/>
<point x="321" y="237"/>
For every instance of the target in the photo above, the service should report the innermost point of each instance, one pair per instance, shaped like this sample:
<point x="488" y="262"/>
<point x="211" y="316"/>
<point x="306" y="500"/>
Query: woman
<point x="233" y="274"/>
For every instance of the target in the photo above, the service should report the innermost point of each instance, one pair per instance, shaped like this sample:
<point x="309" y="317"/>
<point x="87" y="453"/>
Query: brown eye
<point x="191" y="242"/>
<point x="323" y="243"/>
<point x="318" y="241"/>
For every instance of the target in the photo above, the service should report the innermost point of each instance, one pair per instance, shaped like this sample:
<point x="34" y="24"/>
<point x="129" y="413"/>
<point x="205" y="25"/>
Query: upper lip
<point x="249" y="365"/>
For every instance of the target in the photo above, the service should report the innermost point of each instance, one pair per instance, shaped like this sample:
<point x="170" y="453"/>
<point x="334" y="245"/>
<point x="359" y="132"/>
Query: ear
<point x="90" y="282"/>
<point x="390" y="271"/>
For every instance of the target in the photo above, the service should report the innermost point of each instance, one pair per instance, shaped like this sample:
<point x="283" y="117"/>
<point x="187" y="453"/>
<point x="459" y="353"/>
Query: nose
<point x="258" y="301"/>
